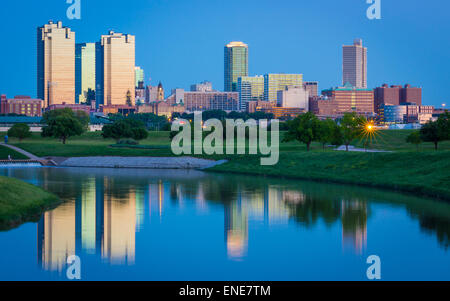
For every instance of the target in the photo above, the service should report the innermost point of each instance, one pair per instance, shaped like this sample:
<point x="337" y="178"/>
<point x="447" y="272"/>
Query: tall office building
<point x="236" y="64"/>
<point x="118" y="57"/>
<point x="55" y="64"/>
<point x="250" y="88"/>
<point x="355" y="65"/>
<point x="279" y="82"/>
<point x="139" y="75"/>
<point x="84" y="71"/>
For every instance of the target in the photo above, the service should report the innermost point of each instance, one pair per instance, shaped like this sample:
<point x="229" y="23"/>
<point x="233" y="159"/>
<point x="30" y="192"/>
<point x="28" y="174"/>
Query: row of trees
<point x="61" y="124"/>
<point x="434" y="131"/>
<point x="222" y="115"/>
<point x="126" y="128"/>
<point x="307" y="128"/>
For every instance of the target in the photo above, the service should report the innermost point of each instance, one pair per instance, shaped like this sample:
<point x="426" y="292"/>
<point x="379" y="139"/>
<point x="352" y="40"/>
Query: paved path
<point x="19" y="150"/>
<point x="141" y="162"/>
<point x="354" y="149"/>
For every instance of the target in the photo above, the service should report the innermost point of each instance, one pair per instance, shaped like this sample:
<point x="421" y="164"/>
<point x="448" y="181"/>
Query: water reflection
<point x="104" y="209"/>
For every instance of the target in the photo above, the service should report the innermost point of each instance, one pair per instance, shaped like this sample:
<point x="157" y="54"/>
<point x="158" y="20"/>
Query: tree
<point x="337" y="138"/>
<point x="129" y="98"/>
<point x="351" y="125"/>
<point x="20" y="130"/>
<point x="304" y="128"/>
<point x="125" y="128"/>
<point x="117" y="130"/>
<point x="436" y="131"/>
<point x="63" y="127"/>
<point x="139" y="134"/>
<point x="414" y="138"/>
<point x="65" y="123"/>
<point x="90" y="96"/>
<point x="326" y="131"/>
<point x="82" y="116"/>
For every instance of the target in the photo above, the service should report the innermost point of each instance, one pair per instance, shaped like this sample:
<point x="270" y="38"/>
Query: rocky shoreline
<point x="140" y="162"/>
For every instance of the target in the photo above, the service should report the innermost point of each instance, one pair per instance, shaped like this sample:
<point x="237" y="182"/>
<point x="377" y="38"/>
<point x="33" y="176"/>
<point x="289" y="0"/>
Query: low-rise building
<point x="205" y="101"/>
<point x="21" y="105"/>
<point x="350" y="99"/>
<point x="406" y="113"/>
<point x="294" y="97"/>
<point x="161" y="108"/>
<point x="75" y="107"/>
<point x="6" y="122"/>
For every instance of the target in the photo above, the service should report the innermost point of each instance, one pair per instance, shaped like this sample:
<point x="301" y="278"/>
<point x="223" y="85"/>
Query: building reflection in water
<point x="354" y="225"/>
<point x="101" y="221"/>
<point x="104" y="216"/>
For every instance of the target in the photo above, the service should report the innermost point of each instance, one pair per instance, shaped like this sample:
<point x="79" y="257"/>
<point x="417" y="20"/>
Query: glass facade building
<point x="55" y="64"/>
<point x="250" y="88"/>
<point x="118" y="58"/>
<point x="139" y="75"/>
<point x="279" y="82"/>
<point x="84" y="71"/>
<point x="236" y="64"/>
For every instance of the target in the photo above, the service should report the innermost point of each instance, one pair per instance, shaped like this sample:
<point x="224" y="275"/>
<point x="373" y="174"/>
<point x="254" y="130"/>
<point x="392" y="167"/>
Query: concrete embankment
<point x="141" y="162"/>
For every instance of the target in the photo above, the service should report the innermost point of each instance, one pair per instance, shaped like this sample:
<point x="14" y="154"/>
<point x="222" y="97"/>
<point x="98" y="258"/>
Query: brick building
<point x="21" y="105"/>
<point x="348" y="99"/>
<point x="396" y="95"/>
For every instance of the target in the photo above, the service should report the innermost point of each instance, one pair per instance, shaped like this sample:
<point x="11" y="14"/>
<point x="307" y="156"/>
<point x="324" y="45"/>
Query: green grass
<point x="395" y="140"/>
<point x="5" y="151"/>
<point x="425" y="172"/>
<point x="21" y="202"/>
<point x="92" y="144"/>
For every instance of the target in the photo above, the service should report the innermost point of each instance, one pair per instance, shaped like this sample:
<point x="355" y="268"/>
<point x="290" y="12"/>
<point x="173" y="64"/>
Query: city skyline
<point x="394" y="58"/>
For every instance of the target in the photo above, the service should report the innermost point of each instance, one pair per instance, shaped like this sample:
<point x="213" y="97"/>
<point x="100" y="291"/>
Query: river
<point x="190" y="225"/>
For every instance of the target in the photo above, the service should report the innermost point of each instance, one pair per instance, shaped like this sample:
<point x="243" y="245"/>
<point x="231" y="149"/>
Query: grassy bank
<point x="21" y="202"/>
<point x="425" y="173"/>
<point x="4" y="152"/>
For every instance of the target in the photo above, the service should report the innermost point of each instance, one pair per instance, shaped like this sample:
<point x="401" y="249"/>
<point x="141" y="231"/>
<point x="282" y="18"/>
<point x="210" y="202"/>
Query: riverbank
<point x="140" y="162"/>
<point x="5" y="152"/>
<point x="403" y="168"/>
<point x="421" y="173"/>
<point x="21" y="202"/>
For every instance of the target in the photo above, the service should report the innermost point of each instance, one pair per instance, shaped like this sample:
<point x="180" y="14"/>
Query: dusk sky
<point x="180" y="42"/>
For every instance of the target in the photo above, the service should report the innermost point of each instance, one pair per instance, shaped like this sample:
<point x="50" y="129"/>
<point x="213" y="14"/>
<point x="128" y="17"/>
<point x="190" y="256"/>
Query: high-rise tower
<point x="118" y="57"/>
<point x="84" y="72"/>
<point x="355" y="65"/>
<point x="236" y="64"/>
<point x="55" y="64"/>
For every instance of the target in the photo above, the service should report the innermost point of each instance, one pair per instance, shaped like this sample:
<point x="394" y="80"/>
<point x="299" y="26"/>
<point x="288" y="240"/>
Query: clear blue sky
<point x="180" y="42"/>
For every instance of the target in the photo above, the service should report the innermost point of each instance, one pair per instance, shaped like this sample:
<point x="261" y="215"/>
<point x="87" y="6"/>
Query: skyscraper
<point x="278" y="82"/>
<point x="236" y="64"/>
<point x="250" y="88"/>
<point x="355" y="65"/>
<point x="139" y="75"/>
<point x="55" y="64"/>
<point x="84" y="71"/>
<point x="118" y="56"/>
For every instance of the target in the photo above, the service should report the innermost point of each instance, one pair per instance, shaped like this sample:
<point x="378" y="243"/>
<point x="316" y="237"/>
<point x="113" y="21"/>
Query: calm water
<point x="189" y="225"/>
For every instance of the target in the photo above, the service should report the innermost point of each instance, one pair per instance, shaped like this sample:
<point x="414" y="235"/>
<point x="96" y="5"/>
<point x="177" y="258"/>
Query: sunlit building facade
<point x="55" y="64"/>
<point x="236" y="64"/>
<point x="250" y="88"/>
<point x="84" y="71"/>
<point x="279" y="82"/>
<point x="118" y="68"/>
